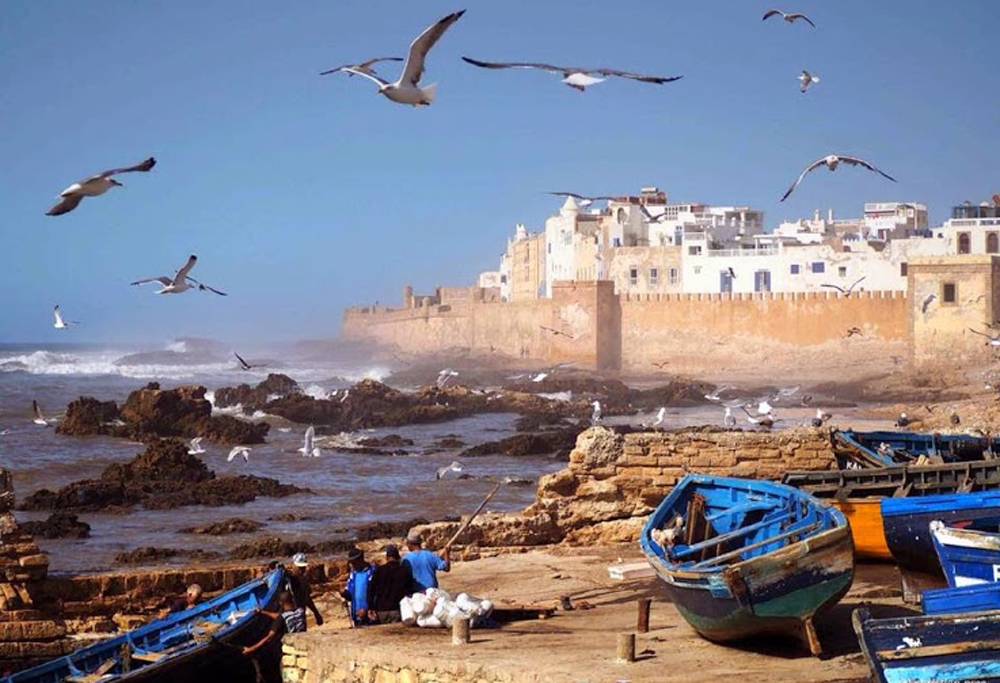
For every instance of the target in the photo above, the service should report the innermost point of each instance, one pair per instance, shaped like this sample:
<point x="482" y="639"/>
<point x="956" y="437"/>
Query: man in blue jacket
<point x="424" y="563"/>
<point x="356" y="590"/>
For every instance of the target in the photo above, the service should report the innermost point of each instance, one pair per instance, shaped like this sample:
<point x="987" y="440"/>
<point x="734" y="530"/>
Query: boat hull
<point x="864" y="515"/>
<point x="967" y="557"/>
<point x="976" y="598"/>
<point x="938" y="648"/>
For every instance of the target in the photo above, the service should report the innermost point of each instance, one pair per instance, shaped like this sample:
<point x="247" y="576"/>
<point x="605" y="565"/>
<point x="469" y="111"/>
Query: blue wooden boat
<point x="742" y="558"/>
<point x="887" y="449"/>
<point x="906" y="522"/>
<point x="200" y="644"/>
<point x="967" y="556"/>
<point x="980" y="597"/>
<point x="937" y="648"/>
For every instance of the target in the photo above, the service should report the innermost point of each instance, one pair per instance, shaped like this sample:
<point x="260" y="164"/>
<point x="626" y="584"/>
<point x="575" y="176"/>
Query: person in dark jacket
<point x="298" y="584"/>
<point x="390" y="583"/>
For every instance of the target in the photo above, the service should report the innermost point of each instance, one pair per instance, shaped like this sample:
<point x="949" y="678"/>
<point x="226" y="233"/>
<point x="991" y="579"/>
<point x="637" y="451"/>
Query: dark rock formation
<point x="389" y="441"/>
<point x="254" y="398"/>
<point x="560" y="442"/>
<point x="164" y="476"/>
<point x="58" y="525"/>
<point x="270" y="546"/>
<point x="150" y="555"/>
<point x="234" y="525"/>
<point x="87" y="416"/>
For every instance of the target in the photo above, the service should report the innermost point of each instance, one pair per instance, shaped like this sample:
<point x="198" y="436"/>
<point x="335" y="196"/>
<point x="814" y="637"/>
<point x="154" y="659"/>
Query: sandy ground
<point x="579" y="645"/>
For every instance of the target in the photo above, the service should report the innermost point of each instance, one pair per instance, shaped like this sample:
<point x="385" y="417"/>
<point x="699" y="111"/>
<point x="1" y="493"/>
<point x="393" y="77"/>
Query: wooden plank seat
<point x="730" y="536"/>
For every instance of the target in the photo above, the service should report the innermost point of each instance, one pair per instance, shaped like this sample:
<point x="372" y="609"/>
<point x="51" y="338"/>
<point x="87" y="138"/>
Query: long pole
<point x="479" y="509"/>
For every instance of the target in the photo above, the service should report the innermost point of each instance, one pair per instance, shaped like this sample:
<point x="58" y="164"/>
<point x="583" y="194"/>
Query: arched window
<point x="964" y="243"/>
<point x="992" y="243"/>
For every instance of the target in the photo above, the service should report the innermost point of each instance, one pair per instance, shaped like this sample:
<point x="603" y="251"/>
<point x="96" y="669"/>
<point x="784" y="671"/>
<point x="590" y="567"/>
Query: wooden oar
<point x="479" y="509"/>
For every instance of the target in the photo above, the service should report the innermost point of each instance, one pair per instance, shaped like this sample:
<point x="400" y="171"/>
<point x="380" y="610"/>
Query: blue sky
<point x="303" y="194"/>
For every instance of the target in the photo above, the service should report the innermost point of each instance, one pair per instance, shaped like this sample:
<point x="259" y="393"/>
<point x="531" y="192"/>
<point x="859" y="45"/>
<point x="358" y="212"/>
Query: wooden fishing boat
<point x="858" y="493"/>
<point x="980" y="597"/>
<point x="201" y="644"/>
<point x="886" y="448"/>
<point x="945" y="648"/>
<point x="907" y="523"/>
<point x="741" y="558"/>
<point x="967" y="556"/>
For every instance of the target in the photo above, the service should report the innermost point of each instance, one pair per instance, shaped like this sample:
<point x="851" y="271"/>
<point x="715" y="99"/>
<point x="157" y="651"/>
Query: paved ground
<point x="579" y="645"/>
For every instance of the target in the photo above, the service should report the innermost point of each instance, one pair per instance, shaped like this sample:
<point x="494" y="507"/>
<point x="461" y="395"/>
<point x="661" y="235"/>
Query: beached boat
<point x="858" y="493"/>
<point x="944" y="648"/>
<point x="741" y="558"/>
<point x="981" y="597"/>
<point x="907" y="523"/>
<point x="201" y="644"/>
<point x="967" y="556"/>
<point x="887" y="449"/>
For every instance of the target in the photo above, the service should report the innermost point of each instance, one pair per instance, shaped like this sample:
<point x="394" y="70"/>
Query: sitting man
<point x="390" y="583"/>
<point x="424" y="564"/>
<point x="191" y="598"/>
<point x="356" y="590"/>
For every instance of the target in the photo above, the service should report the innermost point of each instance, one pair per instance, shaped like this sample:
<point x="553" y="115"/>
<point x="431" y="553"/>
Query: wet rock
<point x="390" y="441"/>
<point x="544" y="443"/>
<point x="254" y="398"/>
<point x="270" y="546"/>
<point x="234" y="525"/>
<point x="146" y="555"/>
<point x="538" y="421"/>
<point x="449" y="443"/>
<point x="370" y="532"/>
<point x="87" y="416"/>
<point x="164" y="476"/>
<point x="58" y="525"/>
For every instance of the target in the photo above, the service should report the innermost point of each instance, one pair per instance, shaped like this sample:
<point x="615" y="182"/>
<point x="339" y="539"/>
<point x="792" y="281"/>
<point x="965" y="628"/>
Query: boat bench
<point x="732" y="535"/>
<point x="743" y="507"/>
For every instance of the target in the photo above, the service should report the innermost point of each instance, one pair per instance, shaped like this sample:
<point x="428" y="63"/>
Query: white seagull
<point x="59" y="323"/>
<point x="179" y="282"/>
<point x="766" y="421"/>
<point x="239" y="450"/>
<point x="595" y="416"/>
<point x="660" y="416"/>
<point x="789" y="17"/>
<point x="39" y="417"/>
<point x="728" y="419"/>
<point x="764" y="407"/>
<point x="453" y="467"/>
<point x="821" y="418"/>
<point x="365" y="66"/>
<point x="575" y="77"/>
<point x="308" y="448"/>
<point x="195" y="447"/>
<point x="94" y="186"/>
<point x="539" y="377"/>
<point x="445" y="376"/>
<point x="806" y="79"/>
<point x="407" y="90"/>
<point x="831" y="161"/>
<point x="715" y="396"/>
<point x="991" y="339"/>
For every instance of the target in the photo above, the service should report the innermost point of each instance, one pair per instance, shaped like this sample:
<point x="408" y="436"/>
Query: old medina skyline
<point x="679" y="365"/>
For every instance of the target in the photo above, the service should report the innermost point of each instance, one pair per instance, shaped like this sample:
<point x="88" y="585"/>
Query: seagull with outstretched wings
<point x="94" y="186"/>
<point x="846" y="292"/>
<point x="790" y="17"/>
<point x="575" y="77"/>
<point x="179" y="282"/>
<point x="831" y="161"/>
<point x="243" y="364"/>
<point x="366" y="66"/>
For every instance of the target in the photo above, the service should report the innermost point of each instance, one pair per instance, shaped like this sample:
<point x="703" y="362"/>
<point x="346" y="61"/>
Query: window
<point x="992" y="243"/>
<point x="842" y="271"/>
<point x="674" y="276"/>
<point x="964" y="243"/>
<point x="549" y="247"/>
<point x="633" y="276"/>
<point x="818" y="267"/>
<point x="725" y="281"/>
<point x="654" y="276"/>
<point x="503" y="279"/>
<point x="795" y="269"/>
<point x="694" y="251"/>
<point x="762" y="281"/>
<point x="903" y="269"/>
<point x="616" y="241"/>
<point x="697" y="270"/>
<point x="949" y="293"/>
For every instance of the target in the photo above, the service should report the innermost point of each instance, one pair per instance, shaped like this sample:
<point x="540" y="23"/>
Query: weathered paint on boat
<point x="887" y="448"/>
<point x="864" y="515"/>
<point x="907" y="523"/>
<point x="981" y="597"/>
<point x="799" y="560"/>
<point x="931" y="649"/>
<point x="967" y="556"/>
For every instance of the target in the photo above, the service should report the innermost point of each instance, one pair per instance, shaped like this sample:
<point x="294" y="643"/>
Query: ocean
<point x="349" y="489"/>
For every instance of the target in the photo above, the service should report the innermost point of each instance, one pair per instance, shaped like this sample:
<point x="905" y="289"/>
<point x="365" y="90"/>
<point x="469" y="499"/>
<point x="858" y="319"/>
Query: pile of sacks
<point x="435" y="608"/>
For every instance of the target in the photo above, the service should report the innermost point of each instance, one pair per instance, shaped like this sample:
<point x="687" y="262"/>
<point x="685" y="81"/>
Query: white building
<point x="726" y="226"/>
<point x="972" y="229"/>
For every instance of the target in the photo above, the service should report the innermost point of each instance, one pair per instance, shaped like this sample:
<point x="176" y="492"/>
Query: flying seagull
<point x="660" y="416"/>
<point x="661" y="364"/>
<point x="927" y="302"/>
<point x="790" y="17"/>
<point x="40" y="419"/>
<point x="308" y="448"/>
<point x="59" y="323"/>
<point x="766" y="421"/>
<point x="806" y="79"/>
<point x="557" y="333"/>
<point x="239" y="450"/>
<point x="445" y="375"/>
<point x="846" y="292"/>
<point x="365" y="66"/>
<point x="577" y="78"/>
<point x="179" y="282"/>
<point x="94" y="186"/>
<point x="453" y="467"/>
<point x="851" y="331"/>
<point x="991" y="339"/>
<point x="407" y="90"/>
<point x="832" y="161"/>
<point x="540" y="377"/>
<point x="195" y="447"/>
<point x="243" y="364"/>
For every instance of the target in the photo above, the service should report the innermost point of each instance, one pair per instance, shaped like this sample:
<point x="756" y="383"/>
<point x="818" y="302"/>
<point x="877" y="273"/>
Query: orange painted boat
<point x="865" y="517"/>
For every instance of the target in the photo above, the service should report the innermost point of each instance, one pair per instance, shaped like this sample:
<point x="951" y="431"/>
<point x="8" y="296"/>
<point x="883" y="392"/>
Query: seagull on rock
<point x="595" y="416"/>
<point x="766" y="421"/>
<point x="445" y="376"/>
<point x="407" y="89"/>
<point x="806" y="79"/>
<point x="453" y="467"/>
<point x="821" y="418"/>
<point x="195" y="447"/>
<point x="790" y="17"/>
<point x="239" y="451"/>
<point x="575" y="77"/>
<point x="179" y="282"/>
<point x="94" y="186"/>
<point x="831" y="161"/>
<point x="308" y="447"/>
<point x="728" y="419"/>
<point x="59" y="323"/>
